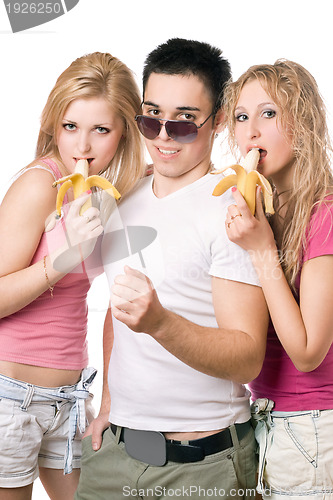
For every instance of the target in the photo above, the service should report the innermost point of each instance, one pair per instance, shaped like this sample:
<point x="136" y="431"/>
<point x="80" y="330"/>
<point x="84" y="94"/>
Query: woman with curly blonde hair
<point x="44" y="377"/>
<point x="278" y="109"/>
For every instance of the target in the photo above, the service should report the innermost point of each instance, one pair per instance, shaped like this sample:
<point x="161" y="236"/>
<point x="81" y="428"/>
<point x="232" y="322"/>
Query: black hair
<point x="178" y="56"/>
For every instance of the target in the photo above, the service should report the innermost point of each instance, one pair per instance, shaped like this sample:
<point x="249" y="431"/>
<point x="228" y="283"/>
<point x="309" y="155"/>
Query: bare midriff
<point x="189" y="436"/>
<point x="36" y="375"/>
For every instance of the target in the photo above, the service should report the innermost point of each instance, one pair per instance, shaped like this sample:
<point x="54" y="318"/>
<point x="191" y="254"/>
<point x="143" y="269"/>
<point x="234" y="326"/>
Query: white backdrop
<point x="248" y="33"/>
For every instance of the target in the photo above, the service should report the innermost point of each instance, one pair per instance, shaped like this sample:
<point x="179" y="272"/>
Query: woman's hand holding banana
<point x="82" y="225"/>
<point x="254" y="234"/>
<point x="81" y="231"/>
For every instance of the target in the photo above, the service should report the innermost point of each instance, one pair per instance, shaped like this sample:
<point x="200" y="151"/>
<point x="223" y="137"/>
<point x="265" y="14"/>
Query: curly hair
<point x="301" y="111"/>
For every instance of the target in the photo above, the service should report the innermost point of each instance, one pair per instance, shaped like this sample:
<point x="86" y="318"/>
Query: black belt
<point x="144" y="444"/>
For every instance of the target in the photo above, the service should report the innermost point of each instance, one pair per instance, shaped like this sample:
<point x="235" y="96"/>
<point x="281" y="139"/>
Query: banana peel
<point x="246" y="178"/>
<point x="80" y="182"/>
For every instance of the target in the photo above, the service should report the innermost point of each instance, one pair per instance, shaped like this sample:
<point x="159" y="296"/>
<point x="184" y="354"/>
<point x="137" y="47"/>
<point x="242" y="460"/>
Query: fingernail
<point x="95" y="446"/>
<point x="233" y="189"/>
<point x="89" y="191"/>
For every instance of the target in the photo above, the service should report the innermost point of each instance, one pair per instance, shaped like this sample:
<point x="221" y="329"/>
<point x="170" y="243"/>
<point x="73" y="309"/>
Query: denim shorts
<point x="295" y="454"/>
<point x="34" y="431"/>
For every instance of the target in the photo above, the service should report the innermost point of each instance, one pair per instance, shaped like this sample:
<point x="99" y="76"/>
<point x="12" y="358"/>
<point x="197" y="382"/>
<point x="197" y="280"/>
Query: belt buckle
<point x="147" y="446"/>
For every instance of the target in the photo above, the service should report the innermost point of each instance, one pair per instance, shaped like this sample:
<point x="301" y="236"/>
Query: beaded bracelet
<point x="51" y="287"/>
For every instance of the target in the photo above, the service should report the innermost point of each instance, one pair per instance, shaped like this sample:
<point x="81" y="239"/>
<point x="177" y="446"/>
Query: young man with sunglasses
<point x="189" y="321"/>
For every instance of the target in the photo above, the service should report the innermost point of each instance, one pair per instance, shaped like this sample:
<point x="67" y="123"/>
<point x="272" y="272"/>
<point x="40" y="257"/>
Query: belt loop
<point x="118" y="432"/>
<point x="28" y="397"/>
<point x="234" y="436"/>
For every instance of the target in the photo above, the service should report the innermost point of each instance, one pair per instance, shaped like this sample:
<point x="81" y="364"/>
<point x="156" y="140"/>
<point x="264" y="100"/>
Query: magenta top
<point x="51" y="332"/>
<point x="279" y="380"/>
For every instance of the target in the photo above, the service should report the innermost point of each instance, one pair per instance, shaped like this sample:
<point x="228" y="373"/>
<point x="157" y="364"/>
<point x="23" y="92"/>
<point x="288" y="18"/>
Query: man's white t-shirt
<point x="179" y="242"/>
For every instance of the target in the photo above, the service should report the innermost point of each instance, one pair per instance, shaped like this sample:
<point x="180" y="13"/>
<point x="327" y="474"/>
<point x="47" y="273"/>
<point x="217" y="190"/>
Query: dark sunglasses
<point x="179" y="130"/>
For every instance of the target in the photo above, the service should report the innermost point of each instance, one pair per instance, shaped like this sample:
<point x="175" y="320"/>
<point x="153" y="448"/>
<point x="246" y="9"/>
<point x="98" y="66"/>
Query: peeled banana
<point x="80" y="182"/>
<point x="246" y="179"/>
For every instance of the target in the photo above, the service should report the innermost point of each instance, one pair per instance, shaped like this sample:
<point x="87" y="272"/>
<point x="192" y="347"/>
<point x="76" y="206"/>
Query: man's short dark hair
<point x="178" y="56"/>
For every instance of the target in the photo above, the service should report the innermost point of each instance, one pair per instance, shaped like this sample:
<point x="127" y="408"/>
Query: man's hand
<point x="134" y="302"/>
<point x="96" y="429"/>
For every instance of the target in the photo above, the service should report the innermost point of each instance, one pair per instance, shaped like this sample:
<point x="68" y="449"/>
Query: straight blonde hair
<point x="98" y="75"/>
<point x="301" y="112"/>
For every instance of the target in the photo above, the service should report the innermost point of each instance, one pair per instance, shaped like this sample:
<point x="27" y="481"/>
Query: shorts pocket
<point x="291" y="458"/>
<point x="308" y="449"/>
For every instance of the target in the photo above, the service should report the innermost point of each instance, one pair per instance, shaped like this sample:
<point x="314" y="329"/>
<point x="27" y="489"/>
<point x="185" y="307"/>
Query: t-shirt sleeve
<point x="228" y="260"/>
<point x="320" y="234"/>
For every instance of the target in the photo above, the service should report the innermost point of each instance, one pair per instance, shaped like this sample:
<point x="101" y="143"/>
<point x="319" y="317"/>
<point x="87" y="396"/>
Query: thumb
<point x="96" y="440"/>
<point x="134" y="272"/>
<point x="97" y="433"/>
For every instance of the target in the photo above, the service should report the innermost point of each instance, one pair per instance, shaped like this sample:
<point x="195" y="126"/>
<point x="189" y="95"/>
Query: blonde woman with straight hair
<point x="98" y="75"/>
<point x="279" y="110"/>
<point x="44" y="377"/>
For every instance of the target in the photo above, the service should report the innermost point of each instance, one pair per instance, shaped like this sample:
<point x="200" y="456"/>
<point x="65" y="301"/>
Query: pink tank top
<point x="51" y="332"/>
<point x="279" y="380"/>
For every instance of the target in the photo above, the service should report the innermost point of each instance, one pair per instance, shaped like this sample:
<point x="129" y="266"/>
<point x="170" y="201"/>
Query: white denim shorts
<point x="295" y="454"/>
<point x="36" y="434"/>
